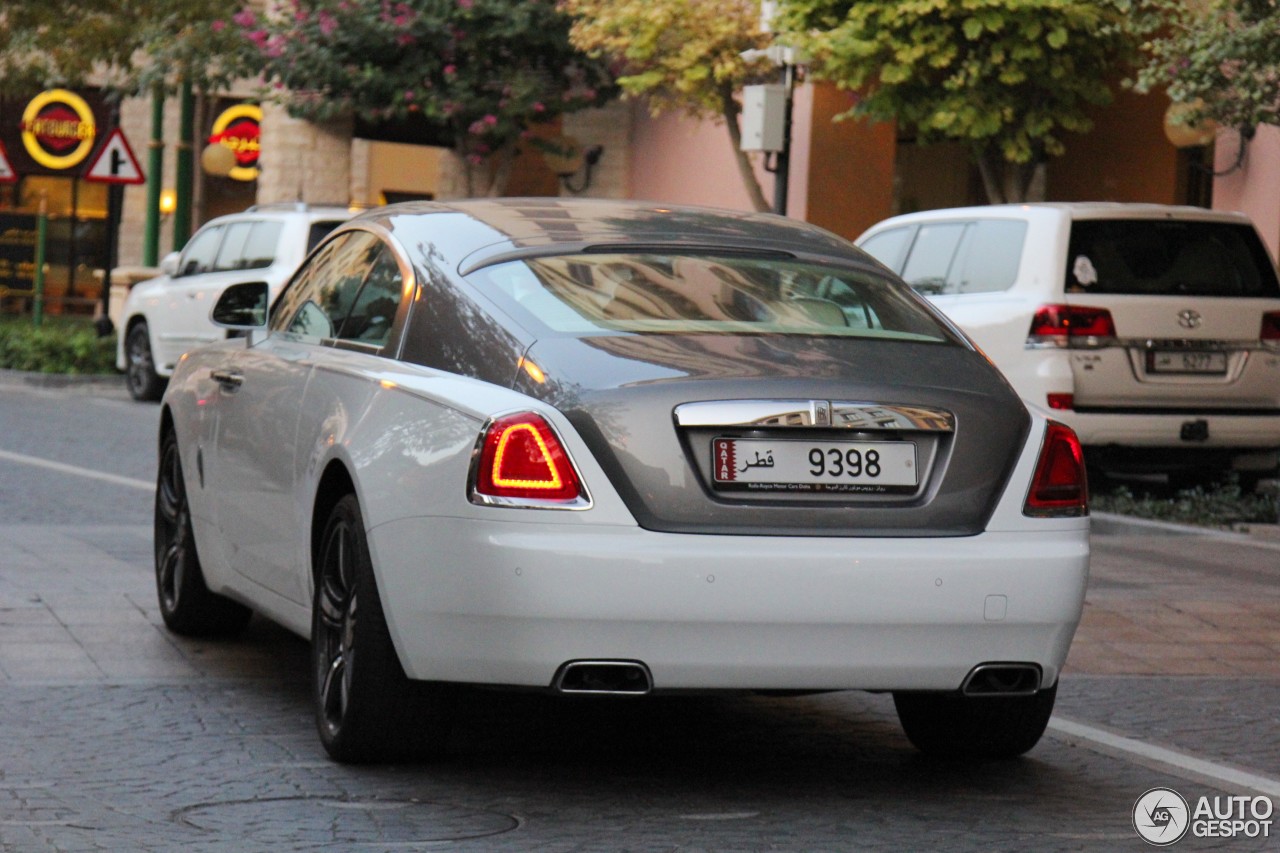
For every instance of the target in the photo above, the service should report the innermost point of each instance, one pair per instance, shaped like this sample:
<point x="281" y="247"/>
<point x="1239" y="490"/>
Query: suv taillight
<point x="1271" y="328"/>
<point x="521" y="461"/>
<point x="1070" y="325"/>
<point x="1060" y="488"/>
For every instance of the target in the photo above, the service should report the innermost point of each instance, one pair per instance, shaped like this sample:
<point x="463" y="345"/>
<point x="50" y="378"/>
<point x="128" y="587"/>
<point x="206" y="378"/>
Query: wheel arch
<point x="335" y="483"/>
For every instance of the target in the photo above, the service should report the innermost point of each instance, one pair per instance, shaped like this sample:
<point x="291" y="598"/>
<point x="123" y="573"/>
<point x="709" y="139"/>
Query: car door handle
<point x="229" y="379"/>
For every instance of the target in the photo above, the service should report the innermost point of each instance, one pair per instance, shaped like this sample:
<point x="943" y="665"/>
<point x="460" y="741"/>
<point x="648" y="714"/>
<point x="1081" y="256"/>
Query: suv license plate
<point x="1186" y="361"/>
<point x="790" y="465"/>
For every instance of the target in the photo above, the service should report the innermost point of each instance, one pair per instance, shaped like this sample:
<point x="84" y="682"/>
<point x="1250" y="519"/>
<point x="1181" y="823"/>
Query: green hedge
<point x="60" y="345"/>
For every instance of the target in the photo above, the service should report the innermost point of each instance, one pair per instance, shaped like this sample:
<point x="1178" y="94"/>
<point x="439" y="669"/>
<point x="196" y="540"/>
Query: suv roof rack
<point x="301" y="206"/>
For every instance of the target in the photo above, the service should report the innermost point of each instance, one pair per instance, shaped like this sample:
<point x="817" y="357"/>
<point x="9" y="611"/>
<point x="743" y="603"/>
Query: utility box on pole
<point x="764" y="117"/>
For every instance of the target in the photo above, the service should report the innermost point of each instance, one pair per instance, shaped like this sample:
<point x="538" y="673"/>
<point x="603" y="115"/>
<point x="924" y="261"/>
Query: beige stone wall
<point x="301" y="161"/>
<point x="609" y="126"/>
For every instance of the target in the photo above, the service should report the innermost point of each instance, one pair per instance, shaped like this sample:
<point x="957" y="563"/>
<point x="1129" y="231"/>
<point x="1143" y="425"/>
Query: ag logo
<point x="58" y="129"/>
<point x="1161" y="816"/>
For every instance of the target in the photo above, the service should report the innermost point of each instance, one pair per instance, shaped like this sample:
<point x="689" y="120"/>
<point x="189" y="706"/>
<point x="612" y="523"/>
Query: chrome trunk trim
<point x="863" y="416"/>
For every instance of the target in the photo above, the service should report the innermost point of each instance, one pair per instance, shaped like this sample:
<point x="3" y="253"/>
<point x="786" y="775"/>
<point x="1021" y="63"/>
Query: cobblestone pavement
<point x="119" y="736"/>
<point x="116" y="735"/>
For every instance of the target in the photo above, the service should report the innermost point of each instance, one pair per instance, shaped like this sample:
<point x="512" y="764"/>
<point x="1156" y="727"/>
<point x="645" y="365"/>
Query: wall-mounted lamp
<point x="565" y="156"/>
<point x="1184" y="134"/>
<point x="168" y="202"/>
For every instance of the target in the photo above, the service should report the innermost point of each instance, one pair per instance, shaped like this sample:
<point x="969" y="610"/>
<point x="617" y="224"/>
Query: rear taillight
<point x="520" y="461"/>
<point x="1059" y="488"/>
<point x="1070" y="325"/>
<point x="1271" y="328"/>
<point x="1061" y="402"/>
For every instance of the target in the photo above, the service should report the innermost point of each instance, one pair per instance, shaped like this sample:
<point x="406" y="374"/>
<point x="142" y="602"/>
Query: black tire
<point x="139" y="366"/>
<point x="366" y="708"/>
<point x="186" y="604"/>
<point x="951" y="725"/>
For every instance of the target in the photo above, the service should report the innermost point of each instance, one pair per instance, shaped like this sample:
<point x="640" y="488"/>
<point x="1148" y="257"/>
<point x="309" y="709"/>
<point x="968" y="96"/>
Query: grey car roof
<point x="474" y="233"/>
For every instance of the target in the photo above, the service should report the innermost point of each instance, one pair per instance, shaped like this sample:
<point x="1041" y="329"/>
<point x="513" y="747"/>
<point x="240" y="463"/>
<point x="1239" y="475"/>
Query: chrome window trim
<point x="888" y="417"/>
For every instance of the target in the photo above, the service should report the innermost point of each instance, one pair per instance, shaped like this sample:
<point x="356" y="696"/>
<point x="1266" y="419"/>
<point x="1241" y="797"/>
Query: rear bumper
<point x="1218" y="432"/>
<point x="510" y="602"/>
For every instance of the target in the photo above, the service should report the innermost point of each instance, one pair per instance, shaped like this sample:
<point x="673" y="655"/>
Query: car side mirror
<point x="169" y="264"/>
<point x="242" y="307"/>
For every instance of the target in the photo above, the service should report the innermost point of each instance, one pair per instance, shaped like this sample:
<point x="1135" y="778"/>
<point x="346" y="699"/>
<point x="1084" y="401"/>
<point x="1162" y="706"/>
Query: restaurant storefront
<point x="48" y="138"/>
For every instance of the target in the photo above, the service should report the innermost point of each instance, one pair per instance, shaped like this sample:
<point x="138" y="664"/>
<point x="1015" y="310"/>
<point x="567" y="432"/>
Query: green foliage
<point x="60" y="345"/>
<point x="128" y="44"/>
<point x="485" y="69"/>
<point x="1007" y="77"/>
<point x="1222" y="56"/>
<point x="1205" y="507"/>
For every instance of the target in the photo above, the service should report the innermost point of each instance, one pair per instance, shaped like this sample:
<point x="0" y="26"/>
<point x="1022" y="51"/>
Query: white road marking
<point x="37" y="462"/>
<point x="1235" y="780"/>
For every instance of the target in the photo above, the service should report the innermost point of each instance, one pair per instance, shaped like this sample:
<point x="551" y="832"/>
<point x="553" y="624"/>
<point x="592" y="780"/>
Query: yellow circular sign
<point x="58" y="129"/>
<point x="237" y="128"/>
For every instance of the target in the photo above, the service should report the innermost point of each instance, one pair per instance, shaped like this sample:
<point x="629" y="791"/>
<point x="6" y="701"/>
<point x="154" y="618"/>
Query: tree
<point x="484" y="70"/>
<point x="1219" y="57"/>
<point x="1006" y="77"/>
<point x="680" y="54"/>
<point x="127" y="45"/>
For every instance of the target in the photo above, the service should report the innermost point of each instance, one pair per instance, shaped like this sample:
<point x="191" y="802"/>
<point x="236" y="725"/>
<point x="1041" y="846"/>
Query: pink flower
<point x="408" y="95"/>
<point x="245" y="18"/>
<point x="218" y="26"/>
<point x="491" y="120"/>
<point x="539" y="107"/>
<point x="465" y="4"/>
<point x="450" y="70"/>
<point x="328" y="24"/>
<point x="404" y="39"/>
<point x="258" y="37"/>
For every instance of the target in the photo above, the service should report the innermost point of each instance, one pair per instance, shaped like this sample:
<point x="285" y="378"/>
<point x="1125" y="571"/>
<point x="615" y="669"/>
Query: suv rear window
<point x="1168" y="257"/>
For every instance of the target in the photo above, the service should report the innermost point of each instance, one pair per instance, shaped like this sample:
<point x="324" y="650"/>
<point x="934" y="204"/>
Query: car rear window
<point x="686" y="294"/>
<point x="320" y="230"/>
<point x="1168" y="257"/>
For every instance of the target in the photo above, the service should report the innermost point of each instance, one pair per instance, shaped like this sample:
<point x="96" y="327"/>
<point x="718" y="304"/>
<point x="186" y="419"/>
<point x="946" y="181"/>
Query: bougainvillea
<point x="1220" y="57"/>
<point x="483" y="69"/>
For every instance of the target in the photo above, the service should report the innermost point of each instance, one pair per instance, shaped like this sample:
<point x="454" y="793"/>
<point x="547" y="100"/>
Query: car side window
<point x="932" y="254"/>
<point x="889" y="247"/>
<point x="318" y="304"/>
<point x="232" y="250"/>
<point x="200" y="253"/>
<point x="988" y="257"/>
<point x="260" y="247"/>
<point x="374" y="310"/>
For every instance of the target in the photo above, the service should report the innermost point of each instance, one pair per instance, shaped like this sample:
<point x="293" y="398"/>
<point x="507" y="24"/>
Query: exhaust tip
<point x="613" y="677"/>
<point x="1002" y="679"/>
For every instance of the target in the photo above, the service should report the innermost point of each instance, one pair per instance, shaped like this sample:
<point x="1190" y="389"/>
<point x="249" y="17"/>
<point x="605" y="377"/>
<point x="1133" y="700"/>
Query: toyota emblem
<point x="1189" y="319"/>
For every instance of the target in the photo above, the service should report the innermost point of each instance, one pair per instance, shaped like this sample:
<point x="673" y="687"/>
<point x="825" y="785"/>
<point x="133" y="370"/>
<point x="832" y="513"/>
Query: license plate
<point x="1186" y="361"/>
<point x="790" y="465"/>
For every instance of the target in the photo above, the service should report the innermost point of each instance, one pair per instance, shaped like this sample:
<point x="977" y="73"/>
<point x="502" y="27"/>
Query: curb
<point x="60" y="380"/>
<point x="1110" y="524"/>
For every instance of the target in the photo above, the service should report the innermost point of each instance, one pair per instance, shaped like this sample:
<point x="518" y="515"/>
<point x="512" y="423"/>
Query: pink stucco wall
<point x="682" y="160"/>
<point x="1254" y="189"/>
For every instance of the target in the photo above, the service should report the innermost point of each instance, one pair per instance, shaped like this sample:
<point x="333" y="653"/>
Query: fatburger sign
<point x="58" y="129"/>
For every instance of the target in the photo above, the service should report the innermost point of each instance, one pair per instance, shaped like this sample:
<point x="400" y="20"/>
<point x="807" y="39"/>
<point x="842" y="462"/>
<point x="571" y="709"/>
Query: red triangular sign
<point x="115" y="163"/>
<point x="7" y="175"/>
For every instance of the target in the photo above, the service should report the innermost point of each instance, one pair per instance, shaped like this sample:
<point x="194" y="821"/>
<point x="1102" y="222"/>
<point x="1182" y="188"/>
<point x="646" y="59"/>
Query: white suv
<point x="1153" y="331"/>
<point x="164" y="317"/>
